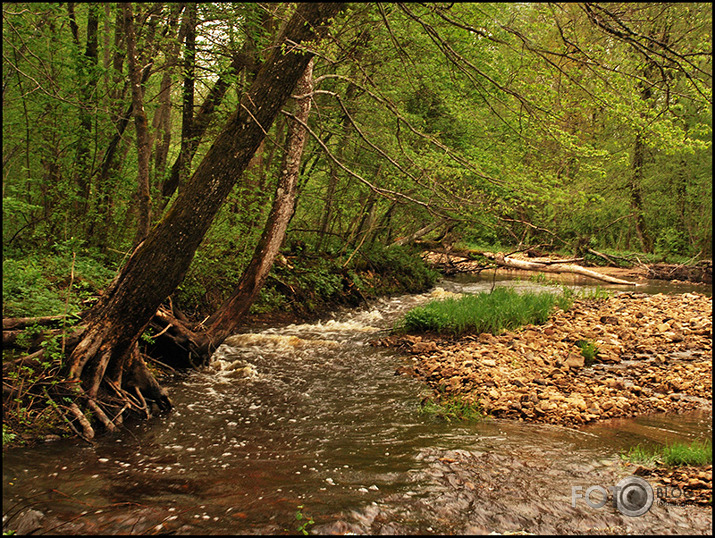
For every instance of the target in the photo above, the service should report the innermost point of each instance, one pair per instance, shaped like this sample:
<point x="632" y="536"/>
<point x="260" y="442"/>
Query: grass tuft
<point x="695" y="453"/>
<point x="454" y="408"/>
<point x="502" y="309"/>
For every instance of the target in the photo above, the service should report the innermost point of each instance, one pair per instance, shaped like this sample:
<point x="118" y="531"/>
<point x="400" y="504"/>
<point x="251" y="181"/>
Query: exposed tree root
<point x="82" y="419"/>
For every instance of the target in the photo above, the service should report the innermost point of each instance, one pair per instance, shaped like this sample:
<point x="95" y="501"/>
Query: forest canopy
<point x="570" y="124"/>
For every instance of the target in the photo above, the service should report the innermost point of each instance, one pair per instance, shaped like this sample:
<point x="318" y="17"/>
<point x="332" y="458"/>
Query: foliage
<point x="394" y="269"/>
<point x="35" y="283"/>
<point x="695" y="453"/>
<point x="304" y="521"/>
<point x="35" y="388"/>
<point x="453" y="408"/>
<point x="7" y="435"/>
<point x="502" y="309"/>
<point x="589" y="350"/>
<point x="515" y="123"/>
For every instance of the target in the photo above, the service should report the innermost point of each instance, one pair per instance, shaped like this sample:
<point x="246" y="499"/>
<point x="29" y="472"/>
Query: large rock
<point x="574" y="360"/>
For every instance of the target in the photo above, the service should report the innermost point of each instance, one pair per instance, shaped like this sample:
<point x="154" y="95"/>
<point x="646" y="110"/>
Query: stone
<point x="574" y="360"/>
<point x="676" y="336"/>
<point x="423" y="347"/>
<point x="577" y="401"/>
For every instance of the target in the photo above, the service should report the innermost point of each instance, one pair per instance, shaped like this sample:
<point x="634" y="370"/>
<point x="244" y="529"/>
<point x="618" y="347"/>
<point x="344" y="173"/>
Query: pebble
<point x="625" y="380"/>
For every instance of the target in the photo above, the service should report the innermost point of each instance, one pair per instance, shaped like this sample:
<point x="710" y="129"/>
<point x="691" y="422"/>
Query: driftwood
<point x="505" y="261"/>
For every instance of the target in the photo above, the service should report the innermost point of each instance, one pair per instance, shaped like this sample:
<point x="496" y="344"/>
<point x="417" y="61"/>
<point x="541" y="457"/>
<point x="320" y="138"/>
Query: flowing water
<point x="311" y="421"/>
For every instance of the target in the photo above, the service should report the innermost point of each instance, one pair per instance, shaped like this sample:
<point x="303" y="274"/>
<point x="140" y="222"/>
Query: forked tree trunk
<point x="106" y="356"/>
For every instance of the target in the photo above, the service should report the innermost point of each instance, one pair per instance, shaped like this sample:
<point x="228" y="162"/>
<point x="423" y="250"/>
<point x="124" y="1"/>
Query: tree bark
<point x="227" y="317"/>
<point x="107" y="346"/>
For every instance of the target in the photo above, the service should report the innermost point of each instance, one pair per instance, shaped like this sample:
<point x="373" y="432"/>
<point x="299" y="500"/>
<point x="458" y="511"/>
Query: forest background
<point x="574" y="127"/>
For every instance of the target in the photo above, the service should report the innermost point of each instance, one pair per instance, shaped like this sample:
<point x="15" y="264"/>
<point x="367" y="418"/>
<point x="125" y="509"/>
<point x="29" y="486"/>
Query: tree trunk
<point x="161" y="123"/>
<point x="187" y="108"/>
<point x="87" y="81"/>
<point x="193" y="133"/>
<point x="636" y="195"/>
<point x="142" y="130"/>
<point x="107" y="346"/>
<point x="226" y="319"/>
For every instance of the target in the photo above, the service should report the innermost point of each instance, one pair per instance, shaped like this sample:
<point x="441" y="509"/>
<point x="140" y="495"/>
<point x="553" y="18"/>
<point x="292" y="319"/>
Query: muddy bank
<point x="700" y="272"/>
<point x="653" y="355"/>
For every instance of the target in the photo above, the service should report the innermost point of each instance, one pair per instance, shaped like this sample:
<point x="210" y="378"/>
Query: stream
<point x="311" y="421"/>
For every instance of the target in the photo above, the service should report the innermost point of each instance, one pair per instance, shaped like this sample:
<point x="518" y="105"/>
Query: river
<point x="311" y="420"/>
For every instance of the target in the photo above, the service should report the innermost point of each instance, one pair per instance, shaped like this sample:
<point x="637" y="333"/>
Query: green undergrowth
<point x="37" y="283"/>
<point x="306" y="283"/>
<point x="676" y="454"/>
<point x="453" y="408"/>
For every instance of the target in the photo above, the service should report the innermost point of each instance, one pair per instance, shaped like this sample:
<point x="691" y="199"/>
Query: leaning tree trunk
<point x="225" y="320"/>
<point x="106" y="358"/>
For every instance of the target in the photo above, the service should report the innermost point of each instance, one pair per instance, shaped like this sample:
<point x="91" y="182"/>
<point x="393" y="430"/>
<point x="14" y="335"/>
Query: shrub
<point x="398" y="269"/>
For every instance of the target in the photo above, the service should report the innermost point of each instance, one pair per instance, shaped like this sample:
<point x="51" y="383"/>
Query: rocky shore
<point x="654" y="355"/>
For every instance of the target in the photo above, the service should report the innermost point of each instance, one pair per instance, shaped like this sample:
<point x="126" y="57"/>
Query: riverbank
<point x="40" y="313"/>
<point x="653" y="355"/>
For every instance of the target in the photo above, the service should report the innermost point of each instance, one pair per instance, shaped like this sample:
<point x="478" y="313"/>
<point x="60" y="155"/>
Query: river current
<point x="309" y="427"/>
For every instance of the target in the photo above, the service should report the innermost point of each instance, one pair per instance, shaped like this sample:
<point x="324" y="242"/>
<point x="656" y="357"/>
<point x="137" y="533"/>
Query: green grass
<point x="598" y="293"/>
<point x="695" y="453"/>
<point x="502" y="309"/>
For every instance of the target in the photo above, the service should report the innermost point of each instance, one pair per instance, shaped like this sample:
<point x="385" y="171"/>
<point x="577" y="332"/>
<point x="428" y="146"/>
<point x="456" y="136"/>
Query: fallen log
<point x="505" y="261"/>
<point x="21" y="323"/>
